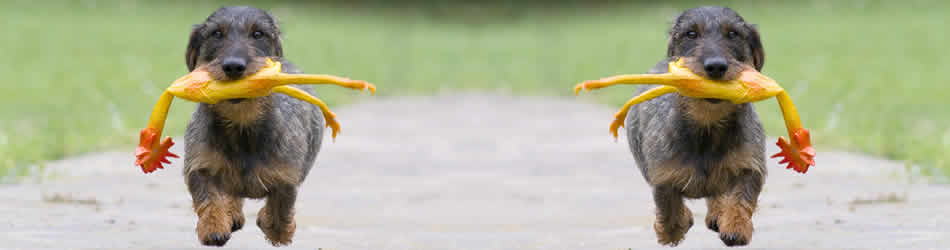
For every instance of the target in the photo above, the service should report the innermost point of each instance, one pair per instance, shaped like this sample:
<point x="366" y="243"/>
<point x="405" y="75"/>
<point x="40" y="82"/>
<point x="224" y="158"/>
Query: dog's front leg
<point x="730" y="214"/>
<point x="219" y="213"/>
<point x="276" y="218"/>
<point x="673" y="218"/>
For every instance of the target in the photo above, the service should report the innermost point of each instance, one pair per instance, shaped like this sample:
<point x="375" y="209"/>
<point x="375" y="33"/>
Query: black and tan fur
<point x="703" y="148"/>
<point x="246" y="148"/>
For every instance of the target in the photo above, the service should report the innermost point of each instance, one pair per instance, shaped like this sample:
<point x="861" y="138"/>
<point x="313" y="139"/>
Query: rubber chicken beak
<point x="750" y="86"/>
<point x="199" y="86"/>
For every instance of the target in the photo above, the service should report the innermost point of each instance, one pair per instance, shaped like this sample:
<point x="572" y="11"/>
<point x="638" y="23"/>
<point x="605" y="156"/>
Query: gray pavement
<point x="475" y="171"/>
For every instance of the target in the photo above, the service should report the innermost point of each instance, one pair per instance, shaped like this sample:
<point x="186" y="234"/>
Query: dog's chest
<point x="704" y="177"/>
<point x="712" y="181"/>
<point x="258" y="182"/>
<point x="249" y="160"/>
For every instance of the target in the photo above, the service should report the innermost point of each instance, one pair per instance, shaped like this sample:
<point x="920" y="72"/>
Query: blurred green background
<point x="867" y="76"/>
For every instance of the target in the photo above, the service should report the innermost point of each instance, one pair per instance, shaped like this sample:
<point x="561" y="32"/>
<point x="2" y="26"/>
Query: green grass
<point x="868" y="76"/>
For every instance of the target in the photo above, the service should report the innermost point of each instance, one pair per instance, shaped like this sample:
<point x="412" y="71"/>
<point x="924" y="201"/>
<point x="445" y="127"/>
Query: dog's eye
<point x="732" y="35"/>
<point x="692" y="35"/>
<point x="217" y="34"/>
<point x="257" y="35"/>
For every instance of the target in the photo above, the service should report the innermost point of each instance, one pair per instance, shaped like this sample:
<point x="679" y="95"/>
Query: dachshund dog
<point x="703" y="148"/>
<point x="246" y="148"/>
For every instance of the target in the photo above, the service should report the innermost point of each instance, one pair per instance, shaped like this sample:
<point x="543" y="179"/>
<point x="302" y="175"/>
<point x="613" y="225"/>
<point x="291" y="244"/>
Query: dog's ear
<point x="669" y="46"/>
<point x="671" y="35"/>
<point x="755" y="45"/>
<point x="278" y="40"/>
<point x="194" y="44"/>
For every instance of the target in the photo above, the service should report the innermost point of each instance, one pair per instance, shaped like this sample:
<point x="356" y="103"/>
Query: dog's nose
<point x="234" y="67"/>
<point x="715" y="67"/>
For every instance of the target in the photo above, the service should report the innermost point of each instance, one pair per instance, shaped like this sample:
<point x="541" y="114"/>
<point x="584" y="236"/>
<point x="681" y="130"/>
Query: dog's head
<point x="234" y="42"/>
<point x="716" y="42"/>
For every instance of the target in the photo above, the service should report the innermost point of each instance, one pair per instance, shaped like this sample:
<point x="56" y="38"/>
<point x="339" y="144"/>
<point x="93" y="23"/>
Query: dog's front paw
<point x="733" y="239"/>
<point x="736" y="232"/>
<point x="214" y="224"/>
<point x="236" y="212"/>
<point x="216" y="239"/>
<point x="214" y="231"/>
<point x="672" y="232"/>
<point x="237" y="222"/>
<point x="279" y="231"/>
<point x="712" y="220"/>
<point x="712" y="223"/>
<point x="670" y="235"/>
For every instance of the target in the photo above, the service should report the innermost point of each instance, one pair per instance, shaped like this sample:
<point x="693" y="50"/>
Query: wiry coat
<point x="246" y="148"/>
<point x="703" y="148"/>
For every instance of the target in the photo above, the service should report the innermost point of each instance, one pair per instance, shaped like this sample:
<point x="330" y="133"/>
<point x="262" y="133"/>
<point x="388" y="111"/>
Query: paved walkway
<point x="475" y="171"/>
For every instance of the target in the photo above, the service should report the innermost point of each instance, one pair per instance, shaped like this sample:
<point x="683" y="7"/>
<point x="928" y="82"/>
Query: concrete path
<point x="474" y="171"/>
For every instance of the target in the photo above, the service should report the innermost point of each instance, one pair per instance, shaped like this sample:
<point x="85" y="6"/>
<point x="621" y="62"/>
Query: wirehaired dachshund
<point x="246" y="148"/>
<point x="703" y="148"/>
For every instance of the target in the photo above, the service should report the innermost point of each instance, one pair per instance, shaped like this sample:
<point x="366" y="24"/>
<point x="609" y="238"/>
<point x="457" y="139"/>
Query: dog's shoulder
<point x="648" y="123"/>
<point x="661" y="67"/>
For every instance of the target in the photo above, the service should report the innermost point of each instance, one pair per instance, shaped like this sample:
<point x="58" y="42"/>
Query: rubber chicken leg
<point x="751" y="86"/>
<point x="621" y="115"/>
<point x="328" y="115"/>
<point x="669" y="79"/>
<point x="799" y="154"/>
<point x="151" y="153"/>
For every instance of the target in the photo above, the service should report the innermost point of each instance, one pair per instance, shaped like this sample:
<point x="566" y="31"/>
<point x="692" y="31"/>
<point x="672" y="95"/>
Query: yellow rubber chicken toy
<point x="198" y="86"/>
<point x="751" y="86"/>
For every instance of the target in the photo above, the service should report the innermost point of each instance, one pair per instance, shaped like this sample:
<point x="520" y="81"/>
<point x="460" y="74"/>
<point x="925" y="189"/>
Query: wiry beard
<point x="241" y="114"/>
